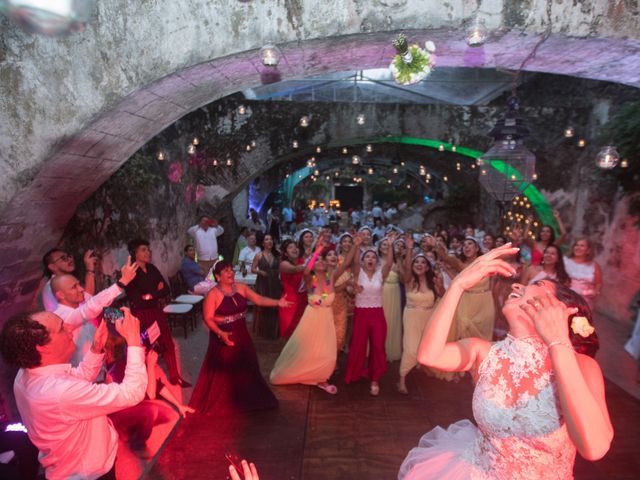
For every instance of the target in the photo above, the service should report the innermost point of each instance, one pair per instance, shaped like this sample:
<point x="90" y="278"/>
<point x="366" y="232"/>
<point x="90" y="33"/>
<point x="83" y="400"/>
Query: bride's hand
<point x="550" y="317"/>
<point x="486" y="265"/>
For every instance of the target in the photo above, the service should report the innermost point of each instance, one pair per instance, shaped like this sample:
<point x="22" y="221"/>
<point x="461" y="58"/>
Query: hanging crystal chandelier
<point x="508" y="167"/>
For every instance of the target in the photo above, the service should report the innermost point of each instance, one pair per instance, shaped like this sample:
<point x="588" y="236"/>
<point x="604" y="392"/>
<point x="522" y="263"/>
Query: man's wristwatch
<point x="120" y="284"/>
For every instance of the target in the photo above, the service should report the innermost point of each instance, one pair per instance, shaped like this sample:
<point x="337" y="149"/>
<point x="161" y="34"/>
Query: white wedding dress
<point x="521" y="433"/>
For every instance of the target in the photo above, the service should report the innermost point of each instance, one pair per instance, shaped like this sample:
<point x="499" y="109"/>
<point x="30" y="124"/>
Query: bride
<point x="536" y="401"/>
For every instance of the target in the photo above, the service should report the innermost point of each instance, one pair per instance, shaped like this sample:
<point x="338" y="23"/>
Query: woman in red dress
<point x="291" y="270"/>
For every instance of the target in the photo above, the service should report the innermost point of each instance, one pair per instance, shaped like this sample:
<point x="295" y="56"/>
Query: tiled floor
<point x="314" y="436"/>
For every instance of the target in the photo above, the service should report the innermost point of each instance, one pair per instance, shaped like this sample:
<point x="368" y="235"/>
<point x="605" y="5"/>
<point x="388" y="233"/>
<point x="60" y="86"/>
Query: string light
<point x="345" y="150"/>
<point x="318" y="150"/>
<point x="295" y="144"/>
<point x="191" y="149"/>
<point x="242" y="109"/>
<point x="304" y="121"/>
<point x="195" y="141"/>
<point x="369" y="148"/>
<point x="161" y="156"/>
<point x="582" y="143"/>
<point x="568" y="132"/>
<point x="360" y="119"/>
<point x="441" y="148"/>
<point x="355" y="160"/>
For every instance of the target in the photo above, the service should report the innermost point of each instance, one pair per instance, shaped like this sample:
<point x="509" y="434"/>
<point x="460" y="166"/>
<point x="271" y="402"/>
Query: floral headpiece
<point x="581" y="326"/>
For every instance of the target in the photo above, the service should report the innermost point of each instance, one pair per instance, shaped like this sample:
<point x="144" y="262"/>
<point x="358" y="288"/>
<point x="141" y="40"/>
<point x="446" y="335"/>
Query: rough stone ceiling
<point x="456" y="86"/>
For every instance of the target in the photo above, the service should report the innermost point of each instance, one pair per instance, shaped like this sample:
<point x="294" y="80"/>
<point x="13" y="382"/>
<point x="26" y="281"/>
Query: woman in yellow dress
<point x="309" y="356"/>
<point x="391" y="298"/>
<point x="343" y="301"/>
<point x="423" y="288"/>
<point x="475" y="314"/>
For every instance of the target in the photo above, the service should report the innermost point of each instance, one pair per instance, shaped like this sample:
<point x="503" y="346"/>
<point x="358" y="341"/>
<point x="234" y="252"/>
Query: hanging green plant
<point x="412" y="64"/>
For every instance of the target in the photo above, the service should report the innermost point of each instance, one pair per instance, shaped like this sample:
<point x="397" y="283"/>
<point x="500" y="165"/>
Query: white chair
<point x="179" y="313"/>
<point x="193" y="300"/>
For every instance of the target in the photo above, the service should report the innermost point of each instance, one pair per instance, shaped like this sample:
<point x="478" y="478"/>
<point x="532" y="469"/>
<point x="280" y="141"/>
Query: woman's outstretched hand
<point x="487" y="265"/>
<point x="550" y="317"/>
<point x="284" y="303"/>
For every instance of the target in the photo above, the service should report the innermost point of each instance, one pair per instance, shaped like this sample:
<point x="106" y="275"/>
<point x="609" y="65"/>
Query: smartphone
<point x="110" y="315"/>
<point x="235" y="460"/>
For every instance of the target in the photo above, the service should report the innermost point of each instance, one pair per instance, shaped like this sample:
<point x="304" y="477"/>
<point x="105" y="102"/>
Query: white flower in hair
<point x="581" y="326"/>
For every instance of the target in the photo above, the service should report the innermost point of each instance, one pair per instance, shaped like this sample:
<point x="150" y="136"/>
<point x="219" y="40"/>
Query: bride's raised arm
<point x="434" y="351"/>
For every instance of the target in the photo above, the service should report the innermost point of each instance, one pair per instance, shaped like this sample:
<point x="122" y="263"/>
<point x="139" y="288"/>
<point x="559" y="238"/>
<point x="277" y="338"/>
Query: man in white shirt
<point x="58" y="262"/>
<point x="79" y="312"/>
<point x="64" y="411"/>
<point x="205" y="235"/>
<point x="247" y="254"/>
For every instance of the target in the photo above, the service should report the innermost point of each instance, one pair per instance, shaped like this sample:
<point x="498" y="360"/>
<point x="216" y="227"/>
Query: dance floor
<point x="316" y="436"/>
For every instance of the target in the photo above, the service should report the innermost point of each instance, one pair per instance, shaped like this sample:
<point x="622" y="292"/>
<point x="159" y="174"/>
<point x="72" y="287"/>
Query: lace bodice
<point x="523" y="435"/>
<point x="371" y="294"/>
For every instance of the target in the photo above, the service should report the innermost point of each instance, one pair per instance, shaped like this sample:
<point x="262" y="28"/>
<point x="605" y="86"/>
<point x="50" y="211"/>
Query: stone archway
<point x="77" y="108"/>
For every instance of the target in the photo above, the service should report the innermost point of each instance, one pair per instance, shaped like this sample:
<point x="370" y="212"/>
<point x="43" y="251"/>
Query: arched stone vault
<point x="75" y="109"/>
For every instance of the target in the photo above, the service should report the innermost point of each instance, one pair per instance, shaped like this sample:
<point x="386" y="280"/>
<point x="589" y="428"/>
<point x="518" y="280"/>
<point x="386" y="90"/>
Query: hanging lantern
<point x="355" y="160"/>
<point x="161" y="156"/>
<point x="581" y="143"/>
<point x="195" y="140"/>
<point x="191" y="149"/>
<point x="229" y="162"/>
<point x="304" y="121"/>
<point x="270" y="55"/>
<point x="369" y="148"/>
<point x="568" y="132"/>
<point x="624" y="163"/>
<point x="242" y="109"/>
<point x="477" y="32"/>
<point x="607" y="157"/>
<point x="360" y="119"/>
<point x="49" y="17"/>
<point x="345" y="150"/>
<point x="441" y="148"/>
<point x="295" y="144"/>
<point x="512" y="164"/>
<point x="318" y="150"/>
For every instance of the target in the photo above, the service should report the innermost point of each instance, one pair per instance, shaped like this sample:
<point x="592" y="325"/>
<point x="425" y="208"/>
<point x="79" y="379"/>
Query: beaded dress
<point x="521" y="434"/>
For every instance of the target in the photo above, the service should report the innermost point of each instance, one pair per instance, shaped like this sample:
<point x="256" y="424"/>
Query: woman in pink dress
<point x="291" y="268"/>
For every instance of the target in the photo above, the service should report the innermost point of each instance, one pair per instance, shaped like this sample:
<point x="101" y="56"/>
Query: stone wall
<point x="189" y="184"/>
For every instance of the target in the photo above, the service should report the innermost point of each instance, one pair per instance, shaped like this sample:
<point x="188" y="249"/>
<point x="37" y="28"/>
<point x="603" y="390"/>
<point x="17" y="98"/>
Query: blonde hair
<point x="590" y="255"/>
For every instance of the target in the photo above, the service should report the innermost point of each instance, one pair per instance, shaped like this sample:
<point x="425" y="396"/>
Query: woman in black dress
<point x="266" y="267"/>
<point x="230" y="378"/>
<point x="145" y="293"/>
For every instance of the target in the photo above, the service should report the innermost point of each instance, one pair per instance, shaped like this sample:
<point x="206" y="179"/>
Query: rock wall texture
<point x="169" y="194"/>
<point x="74" y="109"/>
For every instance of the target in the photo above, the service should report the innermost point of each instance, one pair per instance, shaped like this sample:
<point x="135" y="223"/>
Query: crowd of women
<point x="367" y="293"/>
<point x="499" y="308"/>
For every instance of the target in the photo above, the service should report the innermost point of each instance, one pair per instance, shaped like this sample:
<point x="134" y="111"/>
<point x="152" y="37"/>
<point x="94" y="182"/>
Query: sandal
<point x="374" y="389"/>
<point x="327" y="387"/>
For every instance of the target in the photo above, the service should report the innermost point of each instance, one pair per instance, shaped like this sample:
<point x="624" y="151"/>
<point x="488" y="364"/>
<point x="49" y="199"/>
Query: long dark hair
<point x="284" y="247"/>
<point x="585" y="345"/>
<point x="561" y="272"/>
<point x="553" y="234"/>
<point x="274" y="249"/>
<point x="300" y="241"/>
<point x="461" y="256"/>
<point x="429" y="274"/>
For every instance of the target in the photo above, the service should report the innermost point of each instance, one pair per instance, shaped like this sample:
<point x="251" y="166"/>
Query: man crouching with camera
<point x="64" y="411"/>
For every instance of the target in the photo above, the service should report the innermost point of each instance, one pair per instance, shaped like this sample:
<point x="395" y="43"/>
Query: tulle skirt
<point x="441" y="454"/>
